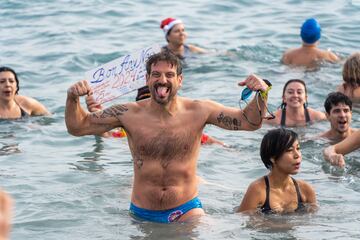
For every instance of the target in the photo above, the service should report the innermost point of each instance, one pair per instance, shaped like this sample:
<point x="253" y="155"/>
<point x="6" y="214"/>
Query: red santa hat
<point x="168" y="23"/>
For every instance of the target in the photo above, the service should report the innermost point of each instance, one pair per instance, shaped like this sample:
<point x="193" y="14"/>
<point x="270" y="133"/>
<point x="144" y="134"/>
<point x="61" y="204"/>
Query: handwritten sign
<point x="120" y="76"/>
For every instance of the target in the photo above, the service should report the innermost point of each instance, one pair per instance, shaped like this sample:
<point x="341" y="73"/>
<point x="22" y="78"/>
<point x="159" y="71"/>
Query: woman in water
<point x="12" y="105"/>
<point x="175" y="36"/>
<point x="294" y="110"/>
<point x="278" y="192"/>
<point x="351" y="77"/>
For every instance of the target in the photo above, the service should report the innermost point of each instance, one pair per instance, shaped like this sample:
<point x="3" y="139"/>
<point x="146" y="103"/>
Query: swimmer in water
<point x="278" y="192"/>
<point x="309" y="55"/>
<point x="12" y="105"/>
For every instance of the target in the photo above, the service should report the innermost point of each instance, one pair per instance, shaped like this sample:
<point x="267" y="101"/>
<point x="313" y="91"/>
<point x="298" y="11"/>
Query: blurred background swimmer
<point x="278" y="192"/>
<point x="351" y="76"/>
<point x="5" y="215"/>
<point x="294" y="110"/>
<point x="309" y="55"/>
<point x="175" y="35"/>
<point x="12" y="105"/>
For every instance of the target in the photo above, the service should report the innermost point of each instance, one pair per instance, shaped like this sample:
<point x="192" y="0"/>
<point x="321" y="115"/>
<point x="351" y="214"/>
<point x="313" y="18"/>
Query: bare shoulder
<point x="197" y="103"/>
<point x="325" y="135"/>
<point x="316" y="115"/>
<point x="332" y="57"/>
<point x="286" y="57"/>
<point x="31" y="105"/>
<point x="307" y="191"/>
<point x="257" y="186"/>
<point x="24" y="100"/>
<point x="196" y="49"/>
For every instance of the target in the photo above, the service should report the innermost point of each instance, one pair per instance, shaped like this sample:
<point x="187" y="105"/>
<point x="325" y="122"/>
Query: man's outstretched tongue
<point x="162" y="91"/>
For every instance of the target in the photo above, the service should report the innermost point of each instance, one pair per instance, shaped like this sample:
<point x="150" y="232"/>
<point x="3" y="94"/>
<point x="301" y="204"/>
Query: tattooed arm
<point x="79" y="122"/>
<point x="235" y="119"/>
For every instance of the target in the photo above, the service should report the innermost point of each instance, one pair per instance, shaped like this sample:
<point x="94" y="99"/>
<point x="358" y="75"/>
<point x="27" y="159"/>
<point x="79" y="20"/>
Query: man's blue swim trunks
<point x="164" y="216"/>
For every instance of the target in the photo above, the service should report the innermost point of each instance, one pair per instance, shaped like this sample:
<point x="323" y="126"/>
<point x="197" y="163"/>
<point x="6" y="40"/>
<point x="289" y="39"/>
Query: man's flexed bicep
<point x="79" y="122"/>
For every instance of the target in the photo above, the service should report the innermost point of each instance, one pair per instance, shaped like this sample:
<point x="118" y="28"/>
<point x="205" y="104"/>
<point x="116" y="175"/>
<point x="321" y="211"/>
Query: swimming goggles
<point x="245" y="95"/>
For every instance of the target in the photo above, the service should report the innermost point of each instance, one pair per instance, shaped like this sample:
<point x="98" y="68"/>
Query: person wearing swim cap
<point x="309" y="55"/>
<point x="164" y="133"/>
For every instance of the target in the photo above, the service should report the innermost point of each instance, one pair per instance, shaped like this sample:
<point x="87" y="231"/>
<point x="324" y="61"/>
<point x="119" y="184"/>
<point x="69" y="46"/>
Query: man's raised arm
<point x="249" y="118"/>
<point x="79" y="122"/>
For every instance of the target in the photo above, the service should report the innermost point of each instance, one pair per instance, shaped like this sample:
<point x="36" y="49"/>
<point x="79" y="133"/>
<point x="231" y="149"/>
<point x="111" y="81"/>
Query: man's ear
<point x="147" y="77"/>
<point x="327" y="115"/>
<point x="272" y="160"/>
<point x="180" y="79"/>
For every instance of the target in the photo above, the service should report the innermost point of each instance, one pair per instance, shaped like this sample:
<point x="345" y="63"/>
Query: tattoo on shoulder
<point x="113" y="111"/>
<point x="232" y="123"/>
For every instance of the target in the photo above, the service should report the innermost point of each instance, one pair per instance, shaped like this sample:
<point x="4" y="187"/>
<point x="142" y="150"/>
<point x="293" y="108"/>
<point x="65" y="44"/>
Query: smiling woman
<point x="294" y="110"/>
<point x="12" y="105"/>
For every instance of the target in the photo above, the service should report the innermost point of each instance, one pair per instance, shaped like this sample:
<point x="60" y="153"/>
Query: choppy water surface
<point x="79" y="188"/>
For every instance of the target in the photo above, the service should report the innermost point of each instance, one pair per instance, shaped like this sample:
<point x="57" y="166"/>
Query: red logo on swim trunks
<point x="174" y="216"/>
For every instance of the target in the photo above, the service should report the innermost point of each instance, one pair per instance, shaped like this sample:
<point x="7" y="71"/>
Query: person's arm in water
<point x="5" y="215"/>
<point x="335" y="153"/>
<point x="208" y="140"/>
<point x="235" y="119"/>
<point x="34" y="107"/>
<point x="79" y="122"/>
<point x="196" y="49"/>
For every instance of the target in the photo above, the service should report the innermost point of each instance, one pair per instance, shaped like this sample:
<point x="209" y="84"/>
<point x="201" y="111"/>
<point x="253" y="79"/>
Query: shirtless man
<point x="164" y="134"/>
<point x="339" y="112"/>
<point x="308" y="55"/>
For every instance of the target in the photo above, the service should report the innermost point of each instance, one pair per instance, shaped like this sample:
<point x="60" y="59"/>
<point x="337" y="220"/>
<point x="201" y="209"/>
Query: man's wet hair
<point x="334" y="98"/>
<point x="165" y="56"/>
<point x="7" y="69"/>
<point x="275" y="143"/>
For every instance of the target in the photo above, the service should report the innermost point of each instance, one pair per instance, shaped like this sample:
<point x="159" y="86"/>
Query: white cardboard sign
<point x="120" y="76"/>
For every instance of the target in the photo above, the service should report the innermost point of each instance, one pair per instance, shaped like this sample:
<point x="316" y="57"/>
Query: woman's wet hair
<point x="165" y="56"/>
<point x="351" y="71"/>
<point x="7" y="69"/>
<point x="275" y="143"/>
<point x="283" y="105"/>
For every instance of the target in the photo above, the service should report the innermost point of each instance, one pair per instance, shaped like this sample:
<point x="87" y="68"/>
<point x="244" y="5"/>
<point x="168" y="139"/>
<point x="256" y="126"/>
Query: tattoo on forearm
<point x="229" y="122"/>
<point x="113" y="111"/>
